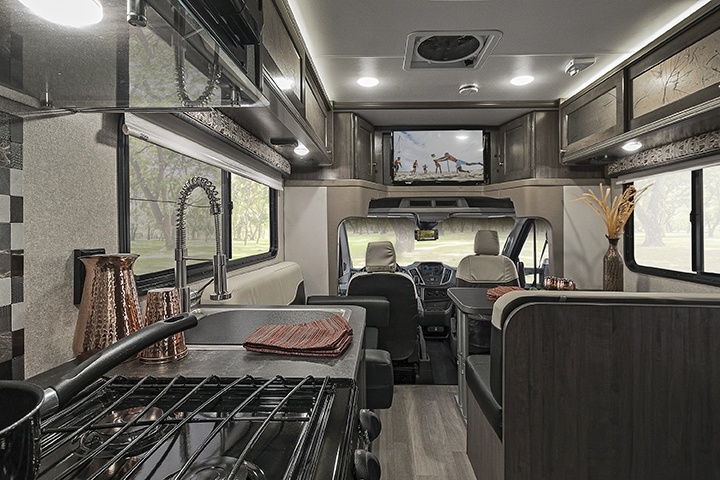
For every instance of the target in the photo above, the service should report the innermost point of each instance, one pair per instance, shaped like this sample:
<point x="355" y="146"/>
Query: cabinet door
<point x="517" y="152"/>
<point x="365" y="165"/>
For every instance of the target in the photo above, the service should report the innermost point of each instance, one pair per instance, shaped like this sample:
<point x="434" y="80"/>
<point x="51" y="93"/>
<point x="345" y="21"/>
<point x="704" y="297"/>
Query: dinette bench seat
<point x="590" y="385"/>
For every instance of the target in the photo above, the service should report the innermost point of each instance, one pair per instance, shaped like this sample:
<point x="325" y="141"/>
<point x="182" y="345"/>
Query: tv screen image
<point x="438" y="155"/>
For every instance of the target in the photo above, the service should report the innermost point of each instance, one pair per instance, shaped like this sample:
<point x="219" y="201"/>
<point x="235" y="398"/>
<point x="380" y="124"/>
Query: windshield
<point x="456" y="238"/>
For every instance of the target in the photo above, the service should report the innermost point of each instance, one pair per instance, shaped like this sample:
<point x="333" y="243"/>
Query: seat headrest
<point x="487" y="243"/>
<point x="380" y="257"/>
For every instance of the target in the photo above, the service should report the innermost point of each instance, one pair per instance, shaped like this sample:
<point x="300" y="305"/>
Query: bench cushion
<point x="379" y="382"/>
<point x="377" y="308"/>
<point x="477" y="373"/>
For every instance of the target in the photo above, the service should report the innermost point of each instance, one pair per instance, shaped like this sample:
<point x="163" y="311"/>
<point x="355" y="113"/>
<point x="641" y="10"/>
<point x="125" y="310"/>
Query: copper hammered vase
<point x="613" y="267"/>
<point x="109" y="309"/>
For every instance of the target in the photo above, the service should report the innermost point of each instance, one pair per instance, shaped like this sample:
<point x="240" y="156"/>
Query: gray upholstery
<point x="487" y="243"/>
<point x="400" y="336"/>
<point x="380" y="257"/>
<point x="487" y="268"/>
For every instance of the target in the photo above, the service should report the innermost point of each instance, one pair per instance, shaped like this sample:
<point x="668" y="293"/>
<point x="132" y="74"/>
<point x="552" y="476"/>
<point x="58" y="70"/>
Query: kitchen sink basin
<point x="223" y="327"/>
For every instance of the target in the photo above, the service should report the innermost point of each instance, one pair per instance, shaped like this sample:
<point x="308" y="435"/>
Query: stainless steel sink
<point x="225" y="327"/>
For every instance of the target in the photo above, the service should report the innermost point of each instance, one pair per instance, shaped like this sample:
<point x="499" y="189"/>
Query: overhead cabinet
<point x="526" y="147"/>
<point x="667" y="94"/>
<point x="354" y="152"/>
<point x="299" y="110"/>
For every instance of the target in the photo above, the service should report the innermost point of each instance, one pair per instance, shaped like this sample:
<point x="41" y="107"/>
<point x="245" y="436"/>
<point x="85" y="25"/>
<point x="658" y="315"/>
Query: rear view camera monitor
<point x="438" y="156"/>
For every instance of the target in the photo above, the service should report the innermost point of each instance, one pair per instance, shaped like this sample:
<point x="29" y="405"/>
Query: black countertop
<point x="471" y="300"/>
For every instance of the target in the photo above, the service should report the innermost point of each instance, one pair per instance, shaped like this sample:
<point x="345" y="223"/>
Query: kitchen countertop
<point x="214" y="346"/>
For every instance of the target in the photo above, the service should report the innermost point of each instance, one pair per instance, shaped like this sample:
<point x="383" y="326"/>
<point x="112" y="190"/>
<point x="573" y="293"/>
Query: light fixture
<point x="522" y="80"/>
<point x="368" y="81"/>
<point x="461" y="137"/>
<point x="632" y="146"/>
<point x="71" y="13"/>
<point x="469" y="89"/>
<point x="137" y="13"/>
<point x="283" y="142"/>
<point x="301" y="150"/>
<point x="284" y="83"/>
<point x="577" y="65"/>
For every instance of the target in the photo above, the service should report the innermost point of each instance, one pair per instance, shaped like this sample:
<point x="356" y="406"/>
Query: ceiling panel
<point x="348" y="39"/>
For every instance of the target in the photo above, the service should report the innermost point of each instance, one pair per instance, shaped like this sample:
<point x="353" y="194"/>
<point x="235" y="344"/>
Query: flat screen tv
<point x="438" y="156"/>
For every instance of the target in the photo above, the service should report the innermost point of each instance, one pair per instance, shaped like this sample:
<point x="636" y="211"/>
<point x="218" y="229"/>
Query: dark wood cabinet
<point x="353" y="147"/>
<point x="527" y="147"/>
<point x="594" y="116"/>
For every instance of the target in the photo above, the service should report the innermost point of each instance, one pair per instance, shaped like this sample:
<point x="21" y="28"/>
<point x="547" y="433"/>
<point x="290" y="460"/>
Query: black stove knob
<point x="367" y="465"/>
<point x="370" y="425"/>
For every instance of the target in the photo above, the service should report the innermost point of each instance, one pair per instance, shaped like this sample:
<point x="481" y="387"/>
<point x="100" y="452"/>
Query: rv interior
<point x="419" y="239"/>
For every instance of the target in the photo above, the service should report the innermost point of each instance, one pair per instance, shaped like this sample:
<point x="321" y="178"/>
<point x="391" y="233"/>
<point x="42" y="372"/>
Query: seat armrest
<point x="377" y="308"/>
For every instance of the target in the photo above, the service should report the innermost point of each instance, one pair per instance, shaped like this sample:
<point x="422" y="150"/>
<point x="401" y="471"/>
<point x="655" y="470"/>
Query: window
<point x="155" y="176"/>
<point x="674" y="231"/>
<point x="534" y="254"/>
<point x="455" y="240"/>
<point x="250" y="226"/>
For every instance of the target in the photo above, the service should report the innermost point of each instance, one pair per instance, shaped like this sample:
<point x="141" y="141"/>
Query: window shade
<point x="168" y="131"/>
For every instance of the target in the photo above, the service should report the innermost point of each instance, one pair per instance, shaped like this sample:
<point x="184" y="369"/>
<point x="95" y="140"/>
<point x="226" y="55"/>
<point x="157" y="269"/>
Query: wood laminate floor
<point x="423" y="435"/>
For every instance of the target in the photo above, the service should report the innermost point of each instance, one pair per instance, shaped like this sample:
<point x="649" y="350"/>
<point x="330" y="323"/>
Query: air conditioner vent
<point x="438" y="50"/>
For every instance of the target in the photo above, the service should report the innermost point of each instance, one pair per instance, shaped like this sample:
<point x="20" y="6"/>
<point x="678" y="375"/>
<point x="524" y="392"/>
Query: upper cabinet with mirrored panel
<point x="667" y="93"/>
<point x="172" y="63"/>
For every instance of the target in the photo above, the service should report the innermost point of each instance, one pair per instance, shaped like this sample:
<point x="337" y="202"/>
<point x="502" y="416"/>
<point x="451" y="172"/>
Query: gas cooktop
<point x="202" y="428"/>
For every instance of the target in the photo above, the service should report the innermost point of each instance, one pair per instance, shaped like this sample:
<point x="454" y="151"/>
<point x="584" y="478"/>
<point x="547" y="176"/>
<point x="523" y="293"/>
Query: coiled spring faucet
<point x="219" y="259"/>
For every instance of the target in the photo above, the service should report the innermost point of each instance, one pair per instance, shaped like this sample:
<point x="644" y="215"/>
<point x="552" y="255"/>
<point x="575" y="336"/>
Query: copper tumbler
<point x="163" y="303"/>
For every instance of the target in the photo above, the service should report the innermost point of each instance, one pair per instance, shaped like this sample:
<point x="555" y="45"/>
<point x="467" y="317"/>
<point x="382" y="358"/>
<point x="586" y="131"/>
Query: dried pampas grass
<point x="617" y="212"/>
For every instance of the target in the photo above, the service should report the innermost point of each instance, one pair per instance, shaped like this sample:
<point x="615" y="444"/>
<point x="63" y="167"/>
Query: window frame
<point x="697" y="246"/>
<point x="195" y="272"/>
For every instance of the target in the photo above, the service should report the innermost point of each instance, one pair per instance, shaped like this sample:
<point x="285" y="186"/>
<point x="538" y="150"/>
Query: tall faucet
<point x="219" y="260"/>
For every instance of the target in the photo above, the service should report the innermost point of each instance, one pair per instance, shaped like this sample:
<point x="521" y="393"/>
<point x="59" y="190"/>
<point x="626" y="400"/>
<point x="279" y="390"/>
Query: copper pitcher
<point x="109" y="309"/>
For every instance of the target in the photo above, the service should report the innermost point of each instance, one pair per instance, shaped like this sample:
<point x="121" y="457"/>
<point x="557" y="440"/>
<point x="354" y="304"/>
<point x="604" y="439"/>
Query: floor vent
<point x="468" y="50"/>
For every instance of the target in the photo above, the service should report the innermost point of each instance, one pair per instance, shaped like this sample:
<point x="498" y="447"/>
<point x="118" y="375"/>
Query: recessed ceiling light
<point x="522" y="80"/>
<point x="368" y="81"/>
<point x="632" y="146"/>
<point x="301" y="150"/>
<point x="71" y="13"/>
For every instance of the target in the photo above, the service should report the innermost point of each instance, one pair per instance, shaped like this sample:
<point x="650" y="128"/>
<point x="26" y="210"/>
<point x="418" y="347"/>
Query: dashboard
<point x="431" y="274"/>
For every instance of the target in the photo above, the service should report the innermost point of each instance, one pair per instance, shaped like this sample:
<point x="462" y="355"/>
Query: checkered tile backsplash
<point x="12" y="244"/>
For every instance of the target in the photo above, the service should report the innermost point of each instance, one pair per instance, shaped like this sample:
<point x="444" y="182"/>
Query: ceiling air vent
<point x="438" y="50"/>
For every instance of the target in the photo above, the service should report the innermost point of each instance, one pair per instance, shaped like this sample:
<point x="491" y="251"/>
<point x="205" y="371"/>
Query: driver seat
<point x="381" y="278"/>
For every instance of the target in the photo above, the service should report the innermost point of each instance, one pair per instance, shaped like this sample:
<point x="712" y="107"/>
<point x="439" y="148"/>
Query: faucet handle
<point x="220" y="278"/>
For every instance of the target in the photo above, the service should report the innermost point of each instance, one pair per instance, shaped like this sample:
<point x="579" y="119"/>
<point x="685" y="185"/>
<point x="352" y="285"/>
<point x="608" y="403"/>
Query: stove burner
<point x="114" y="441"/>
<point x="219" y="468"/>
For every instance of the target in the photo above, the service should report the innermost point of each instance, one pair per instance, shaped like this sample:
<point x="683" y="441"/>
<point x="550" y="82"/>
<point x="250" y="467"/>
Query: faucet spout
<point x="181" y="256"/>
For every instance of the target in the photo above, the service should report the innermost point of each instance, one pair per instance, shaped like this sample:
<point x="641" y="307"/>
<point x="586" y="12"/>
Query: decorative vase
<point x="613" y="267"/>
<point x="109" y="309"/>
